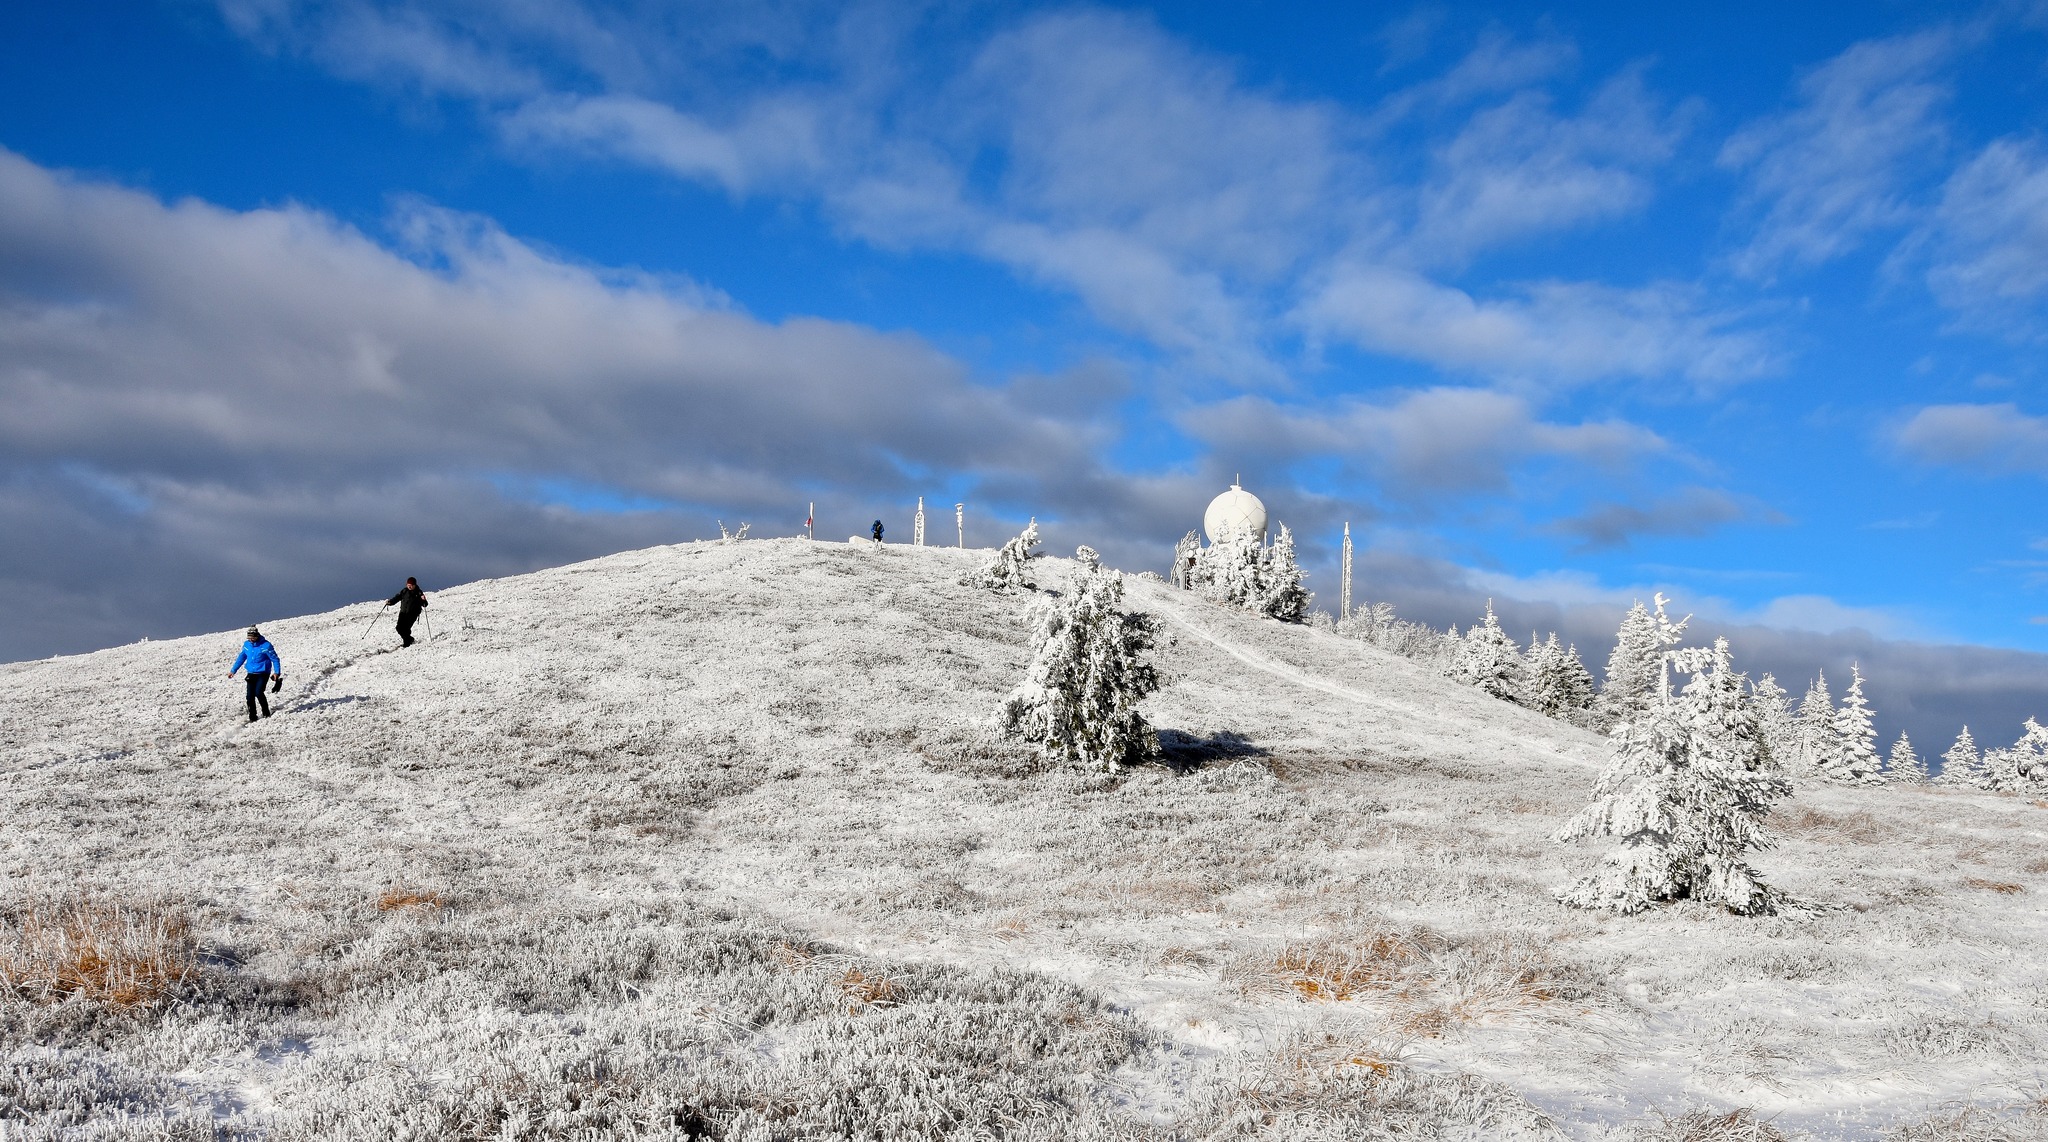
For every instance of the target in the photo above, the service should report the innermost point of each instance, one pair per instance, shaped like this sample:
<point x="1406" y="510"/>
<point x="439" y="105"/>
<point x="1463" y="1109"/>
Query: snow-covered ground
<point x="722" y="850"/>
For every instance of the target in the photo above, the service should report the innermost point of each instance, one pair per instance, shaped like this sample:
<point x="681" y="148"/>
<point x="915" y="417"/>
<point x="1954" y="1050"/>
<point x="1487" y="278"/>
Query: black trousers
<point x="257" y="681"/>
<point x="405" y="621"/>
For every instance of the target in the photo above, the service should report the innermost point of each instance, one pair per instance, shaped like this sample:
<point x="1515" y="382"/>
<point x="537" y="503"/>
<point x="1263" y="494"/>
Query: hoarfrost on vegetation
<point x="1078" y="703"/>
<point x="712" y="841"/>
<point x="1009" y="569"/>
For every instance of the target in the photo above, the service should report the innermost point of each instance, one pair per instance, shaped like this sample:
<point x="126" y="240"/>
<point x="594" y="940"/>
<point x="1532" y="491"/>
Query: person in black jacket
<point x="878" y="531"/>
<point x="411" y="601"/>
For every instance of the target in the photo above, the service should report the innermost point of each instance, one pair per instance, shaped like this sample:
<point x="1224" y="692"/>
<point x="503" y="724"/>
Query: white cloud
<point x="1426" y="444"/>
<point x="1991" y="437"/>
<point x="1836" y="167"/>
<point x="1520" y="169"/>
<point x="1554" y="332"/>
<point x="1690" y="512"/>
<point x="270" y="392"/>
<point x="1988" y="238"/>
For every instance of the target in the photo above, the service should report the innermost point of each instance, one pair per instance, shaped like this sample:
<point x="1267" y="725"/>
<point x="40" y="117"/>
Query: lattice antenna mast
<point x="1344" y="592"/>
<point x="917" y="527"/>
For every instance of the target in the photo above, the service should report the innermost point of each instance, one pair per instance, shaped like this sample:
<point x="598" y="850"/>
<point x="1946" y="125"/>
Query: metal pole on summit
<point x="917" y="528"/>
<point x="1344" y="606"/>
<point x="960" y="521"/>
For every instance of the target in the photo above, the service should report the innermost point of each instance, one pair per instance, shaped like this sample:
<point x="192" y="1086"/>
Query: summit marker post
<point x="917" y="525"/>
<point x="960" y="522"/>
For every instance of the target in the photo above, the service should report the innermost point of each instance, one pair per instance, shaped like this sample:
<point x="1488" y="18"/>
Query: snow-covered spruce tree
<point x="1281" y="594"/>
<point x="1855" y="760"/>
<point x="1184" y="555"/>
<point x="1635" y="665"/>
<point x="1228" y="570"/>
<point x="1560" y="686"/>
<point x="1818" y="745"/>
<point x="1686" y="795"/>
<point x="1009" y="568"/>
<point x="1775" y="718"/>
<point x="2021" y="767"/>
<point x="1961" y="764"/>
<point x="1904" y="764"/>
<point x="1542" y="694"/>
<point x="1079" y="699"/>
<point x="1490" y="661"/>
<point x="1576" y="687"/>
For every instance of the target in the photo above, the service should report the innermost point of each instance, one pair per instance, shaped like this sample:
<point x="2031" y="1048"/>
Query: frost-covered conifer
<point x="1903" y="764"/>
<point x="1775" y="718"/>
<point x="1240" y="570"/>
<point x="1543" y="692"/>
<point x="2022" y="766"/>
<point x="1184" y="555"/>
<point x="1961" y="765"/>
<point x="1635" y="665"/>
<point x="1855" y="759"/>
<point x="1559" y="684"/>
<point x="1079" y="699"/>
<point x="1686" y="795"/>
<point x="1576" y="688"/>
<point x="1490" y="661"/>
<point x="1818" y="745"/>
<point x="1281" y="594"/>
<point x="1010" y="567"/>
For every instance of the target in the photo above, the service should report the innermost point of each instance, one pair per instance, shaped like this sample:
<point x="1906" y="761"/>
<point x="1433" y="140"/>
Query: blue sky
<point x="1556" y="305"/>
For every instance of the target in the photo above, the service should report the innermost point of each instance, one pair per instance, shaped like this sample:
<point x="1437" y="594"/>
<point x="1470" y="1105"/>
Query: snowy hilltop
<point x="721" y="840"/>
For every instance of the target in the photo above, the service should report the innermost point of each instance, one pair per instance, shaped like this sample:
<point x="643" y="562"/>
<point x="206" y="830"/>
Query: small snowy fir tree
<point x="1576" y="688"/>
<point x="1079" y="699"/>
<point x="1228" y="570"/>
<point x="1184" y="555"/>
<point x="1686" y="795"/>
<point x="1855" y="759"/>
<point x="1904" y="764"/>
<point x="1010" y="567"/>
<point x="1635" y="665"/>
<point x="1775" y="718"/>
<point x="1543" y="692"/>
<point x="1818" y="745"/>
<point x="1490" y="661"/>
<point x="1962" y="765"/>
<point x="2021" y="767"/>
<point x="1559" y="684"/>
<point x="1281" y="594"/>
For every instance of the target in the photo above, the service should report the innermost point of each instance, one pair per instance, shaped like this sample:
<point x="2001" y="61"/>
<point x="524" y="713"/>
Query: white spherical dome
<point x="1235" y="510"/>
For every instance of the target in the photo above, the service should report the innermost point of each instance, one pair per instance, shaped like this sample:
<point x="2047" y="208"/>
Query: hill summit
<point x="712" y="841"/>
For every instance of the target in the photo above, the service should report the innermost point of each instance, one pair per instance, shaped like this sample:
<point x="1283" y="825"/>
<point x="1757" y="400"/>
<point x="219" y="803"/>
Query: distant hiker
<point x="411" y="601"/>
<point x="878" y="531"/>
<point x="264" y="667"/>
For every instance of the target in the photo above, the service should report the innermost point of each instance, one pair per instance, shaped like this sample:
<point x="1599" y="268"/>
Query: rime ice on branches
<point x="1079" y="699"/>
<point x="1686" y="795"/>
<point x="1009" y="568"/>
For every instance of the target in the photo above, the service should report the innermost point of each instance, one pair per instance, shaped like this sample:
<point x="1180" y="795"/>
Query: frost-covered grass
<point x="709" y="840"/>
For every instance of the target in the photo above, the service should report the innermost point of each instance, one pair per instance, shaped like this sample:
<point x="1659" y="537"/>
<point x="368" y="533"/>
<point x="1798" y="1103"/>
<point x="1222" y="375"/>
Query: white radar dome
<point x="1235" y="510"/>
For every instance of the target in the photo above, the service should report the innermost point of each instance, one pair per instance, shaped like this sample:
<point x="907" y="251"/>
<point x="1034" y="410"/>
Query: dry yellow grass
<point x="2002" y="887"/>
<point x="410" y="899"/>
<point x="867" y="990"/>
<point x="118" y="954"/>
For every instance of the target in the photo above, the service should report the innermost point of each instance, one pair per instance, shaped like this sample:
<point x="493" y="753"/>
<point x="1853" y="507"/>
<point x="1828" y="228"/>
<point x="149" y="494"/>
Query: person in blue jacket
<point x="878" y="531"/>
<point x="265" y="667"/>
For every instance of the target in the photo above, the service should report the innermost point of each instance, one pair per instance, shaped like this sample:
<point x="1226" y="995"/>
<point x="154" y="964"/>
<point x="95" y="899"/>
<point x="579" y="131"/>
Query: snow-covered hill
<point x="707" y="840"/>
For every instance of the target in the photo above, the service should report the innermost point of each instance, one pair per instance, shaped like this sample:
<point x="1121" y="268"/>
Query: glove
<point x="277" y="684"/>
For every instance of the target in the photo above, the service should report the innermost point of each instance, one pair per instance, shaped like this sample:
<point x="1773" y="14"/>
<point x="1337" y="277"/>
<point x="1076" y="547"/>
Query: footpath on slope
<point x="1296" y="675"/>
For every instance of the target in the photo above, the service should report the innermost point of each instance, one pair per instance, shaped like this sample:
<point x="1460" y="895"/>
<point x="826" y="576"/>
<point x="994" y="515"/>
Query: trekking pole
<point x="429" y="621"/>
<point x="373" y="623"/>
